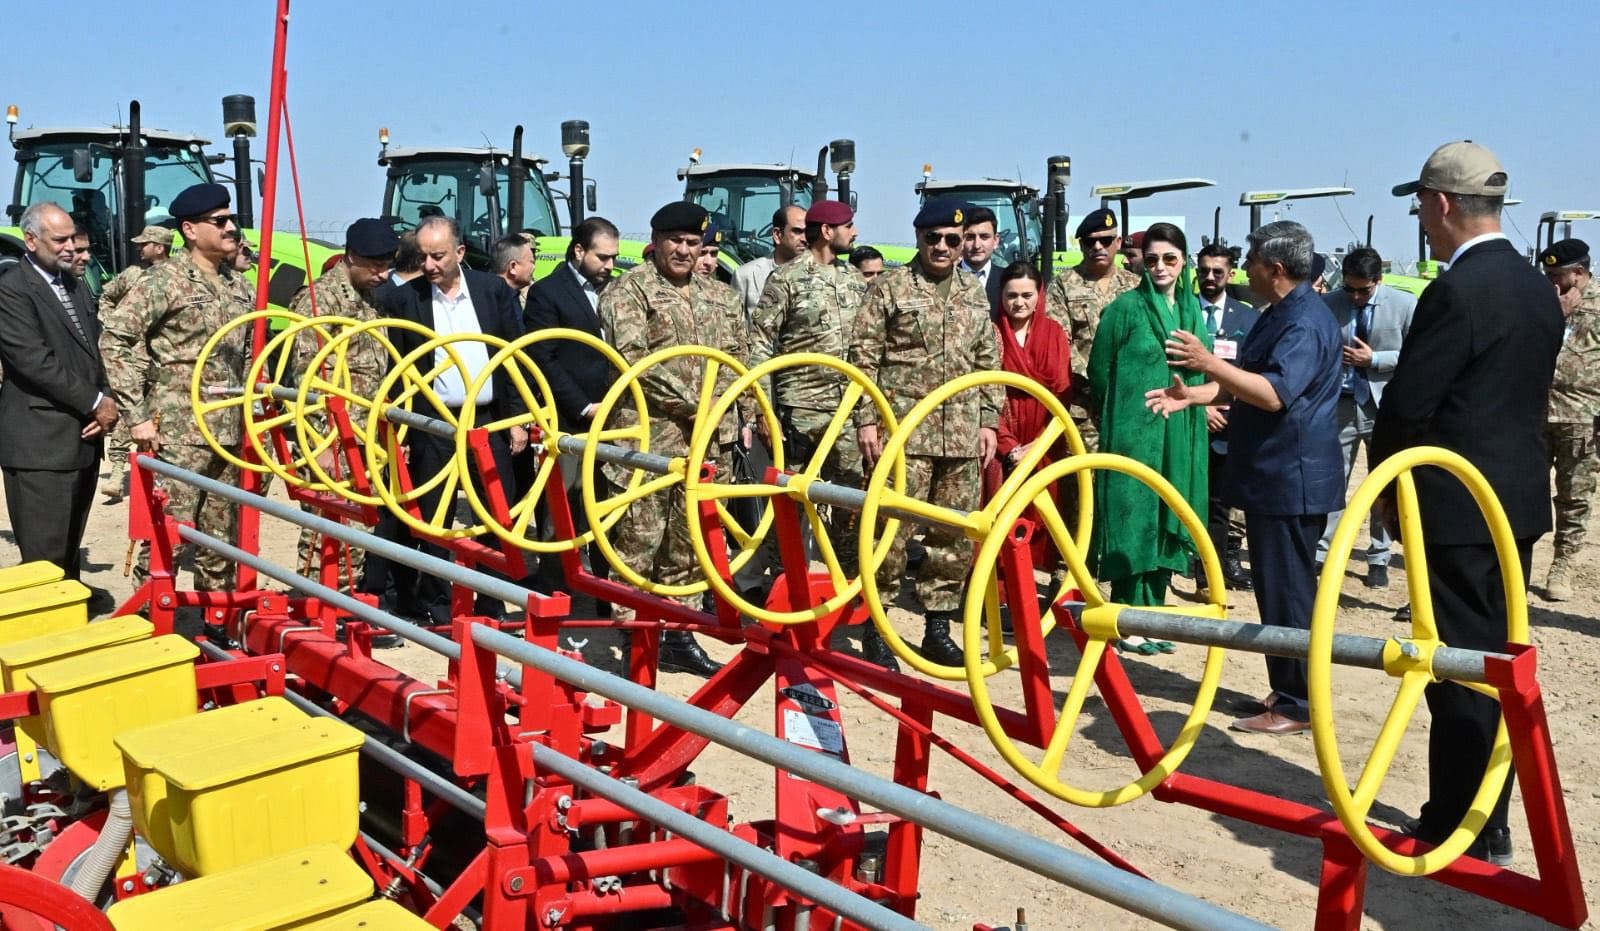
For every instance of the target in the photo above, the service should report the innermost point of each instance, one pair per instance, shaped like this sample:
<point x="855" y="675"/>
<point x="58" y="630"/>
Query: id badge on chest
<point x="1225" y="349"/>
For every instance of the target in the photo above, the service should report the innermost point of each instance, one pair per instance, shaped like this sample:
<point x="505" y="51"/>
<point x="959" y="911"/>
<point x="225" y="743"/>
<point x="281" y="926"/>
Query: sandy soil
<point x="1268" y="876"/>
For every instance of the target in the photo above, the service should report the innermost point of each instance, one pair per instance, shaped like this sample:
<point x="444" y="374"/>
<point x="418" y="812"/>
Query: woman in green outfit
<point x="1138" y="543"/>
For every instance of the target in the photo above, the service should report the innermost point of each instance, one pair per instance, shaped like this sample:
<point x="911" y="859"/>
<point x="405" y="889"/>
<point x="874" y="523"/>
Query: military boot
<point x="875" y="651"/>
<point x="1558" y="584"/>
<point x="680" y="652"/>
<point x="115" y="486"/>
<point x="936" y="643"/>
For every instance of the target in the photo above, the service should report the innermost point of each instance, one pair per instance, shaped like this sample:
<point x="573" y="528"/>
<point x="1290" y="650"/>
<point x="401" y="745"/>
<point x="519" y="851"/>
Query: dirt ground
<point x="1267" y="876"/>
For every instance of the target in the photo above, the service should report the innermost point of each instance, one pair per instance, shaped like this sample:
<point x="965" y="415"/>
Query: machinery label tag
<point x="808" y="698"/>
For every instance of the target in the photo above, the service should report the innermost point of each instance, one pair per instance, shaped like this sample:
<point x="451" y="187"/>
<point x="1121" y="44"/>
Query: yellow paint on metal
<point x="281" y="892"/>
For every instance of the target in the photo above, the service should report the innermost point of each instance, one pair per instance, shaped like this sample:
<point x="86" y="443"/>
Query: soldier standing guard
<point x="151" y="342"/>
<point x="659" y="304"/>
<point x="155" y="244"/>
<point x="922" y="325"/>
<point x="1574" y="407"/>
<point x="1076" y="298"/>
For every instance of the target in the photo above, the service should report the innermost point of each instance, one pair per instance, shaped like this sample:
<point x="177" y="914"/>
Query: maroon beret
<point x="831" y="212"/>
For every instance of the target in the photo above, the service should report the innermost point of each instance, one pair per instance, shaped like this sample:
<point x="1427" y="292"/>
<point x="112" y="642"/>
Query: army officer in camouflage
<point x="155" y="244"/>
<point x="1574" y="407"/>
<point x="920" y="326"/>
<point x="151" y="341"/>
<point x="659" y="304"/>
<point x="1076" y="298"/>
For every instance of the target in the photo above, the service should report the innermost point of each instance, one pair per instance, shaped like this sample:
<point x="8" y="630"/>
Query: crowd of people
<point x="1259" y="409"/>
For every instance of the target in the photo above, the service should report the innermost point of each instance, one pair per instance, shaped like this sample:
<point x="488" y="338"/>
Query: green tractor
<point x="1545" y="236"/>
<point x="491" y="192"/>
<point x="1029" y="227"/>
<point x="96" y="173"/>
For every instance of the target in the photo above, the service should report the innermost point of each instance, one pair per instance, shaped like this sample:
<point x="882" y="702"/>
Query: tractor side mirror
<point x="486" y="185"/>
<point x="82" y="166"/>
<point x="852" y="201"/>
<point x="591" y="197"/>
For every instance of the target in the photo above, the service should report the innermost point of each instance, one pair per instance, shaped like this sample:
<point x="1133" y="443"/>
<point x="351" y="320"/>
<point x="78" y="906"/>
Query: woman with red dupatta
<point x="1034" y="345"/>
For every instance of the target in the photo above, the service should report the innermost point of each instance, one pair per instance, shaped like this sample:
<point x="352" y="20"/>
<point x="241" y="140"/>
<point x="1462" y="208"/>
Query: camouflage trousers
<point x="211" y="515"/>
<point x="308" y="549"/>
<point x="1577" y="465"/>
<point x="802" y="432"/>
<point x="118" y="442"/>
<point x="951" y="483"/>
<point x="652" y="539"/>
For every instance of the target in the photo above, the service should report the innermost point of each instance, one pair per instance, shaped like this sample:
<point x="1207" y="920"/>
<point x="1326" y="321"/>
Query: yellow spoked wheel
<point x="1099" y="624"/>
<point x="412" y="379"/>
<point x="714" y="366"/>
<point x="346" y="366"/>
<point x="274" y="367"/>
<point x="221" y="365"/>
<point x="538" y="402"/>
<point x="840" y="429"/>
<point x="976" y="524"/>
<point x="1410" y="660"/>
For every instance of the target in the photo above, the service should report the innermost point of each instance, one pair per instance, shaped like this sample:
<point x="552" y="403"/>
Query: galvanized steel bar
<point x="806" y="884"/>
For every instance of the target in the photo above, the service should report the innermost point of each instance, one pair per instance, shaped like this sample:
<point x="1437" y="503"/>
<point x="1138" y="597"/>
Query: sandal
<point x="1165" y="646"/>
<point x="1142" y="647"/>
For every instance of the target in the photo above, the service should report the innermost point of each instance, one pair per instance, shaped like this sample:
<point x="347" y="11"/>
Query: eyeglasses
<point x="220" y="222"/>
<point x="1169" y="259"/>
<point x="1103" y="242"/>
<point x="931" y="238"/>
<point x="1209" y="272"/>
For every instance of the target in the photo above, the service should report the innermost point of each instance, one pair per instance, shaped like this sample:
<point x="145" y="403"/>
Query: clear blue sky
<point x="1252" y="95"/>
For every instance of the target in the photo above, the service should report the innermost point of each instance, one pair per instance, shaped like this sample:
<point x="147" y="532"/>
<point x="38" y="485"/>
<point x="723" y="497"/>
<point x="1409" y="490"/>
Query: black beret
<point x="371" y="238"/>
<point x="680" y="216"/>
<point x="712" y="236"/>
<point x="1096" y="221"/>
<point x="1565" y="252"/>
<point x="1319" y="265"/>
<point x="196" y="199"/>
<point x="941" y="211"/>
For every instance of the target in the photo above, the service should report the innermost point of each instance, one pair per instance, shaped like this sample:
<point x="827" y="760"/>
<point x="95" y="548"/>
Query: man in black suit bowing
<point x="450" y="299"/>
<point x="579" y="375"/>
<point x="55" y="404"/>
<point x="1473" y="376"/>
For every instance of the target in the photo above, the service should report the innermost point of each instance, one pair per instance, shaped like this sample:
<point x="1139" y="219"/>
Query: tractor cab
<point x="473" y="186"/>
<point x="741" y="197"/>
<point x="1552" y="220"/>
<point x="1015" y="206"/>
<point x="80" y="169"/>
<point x="1118" y="196"/>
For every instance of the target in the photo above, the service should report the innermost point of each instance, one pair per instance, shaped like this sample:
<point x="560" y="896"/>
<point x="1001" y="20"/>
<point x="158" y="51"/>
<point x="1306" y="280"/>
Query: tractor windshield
<point x="1016" y="241"/>
<point x="46" y="176"/>
<point x="743" y="205"/>
<point x="449" y="187"/>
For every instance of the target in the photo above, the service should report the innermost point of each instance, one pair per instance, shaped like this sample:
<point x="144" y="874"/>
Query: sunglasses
<point x="220" y="222"/>
<point x="1218" y="272"/>
<point x="931" y="238"/>
<point x="1349" y="289"/>
<point x="1169" y="259"/>
<point x="1103" y="242"/>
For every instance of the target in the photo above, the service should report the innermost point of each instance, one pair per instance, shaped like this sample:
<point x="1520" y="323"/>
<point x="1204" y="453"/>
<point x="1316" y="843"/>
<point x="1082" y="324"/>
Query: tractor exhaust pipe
<point x="819" y="186"/>
<point x="132" y="182"/>
<point x="517" y="180"/>
<point x="239" y="121"/>
<point x="575" y="145"/>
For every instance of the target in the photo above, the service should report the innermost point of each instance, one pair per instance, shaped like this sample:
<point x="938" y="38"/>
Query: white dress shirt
<point x="1476" y="240"/>
<point x="453" y="315"/>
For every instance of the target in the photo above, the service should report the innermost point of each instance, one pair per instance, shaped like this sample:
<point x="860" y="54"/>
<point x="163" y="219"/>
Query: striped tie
<point x="66" y="303"/>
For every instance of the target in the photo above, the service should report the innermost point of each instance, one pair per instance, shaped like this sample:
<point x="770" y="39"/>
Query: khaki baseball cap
<point x="159" y="235"/>
<point x="1459" y="168"/>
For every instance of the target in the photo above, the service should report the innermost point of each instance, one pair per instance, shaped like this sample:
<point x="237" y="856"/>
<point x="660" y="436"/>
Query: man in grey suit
<point x="1375" y="319"/>
<point x="1228" y="321"/>
<point x="55" y="404"/>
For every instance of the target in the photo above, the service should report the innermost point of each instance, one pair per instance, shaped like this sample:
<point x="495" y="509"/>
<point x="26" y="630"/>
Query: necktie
<point x="1213" y="319"/>
<point x="66" y="304"/>
<point x="1364" y="323"/>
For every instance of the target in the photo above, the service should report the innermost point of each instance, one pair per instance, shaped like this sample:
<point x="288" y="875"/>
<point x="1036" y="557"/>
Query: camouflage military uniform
<point x="117" y="444"/>
<point x="811" y="307"/>
<point x="150" y="342"/>
<point x="366" y="360"/>
<point x="909" y="340"/>
<point x="1076" y="303"/>
<point x="1574" y="405"/>
<point x="644" y="312"/>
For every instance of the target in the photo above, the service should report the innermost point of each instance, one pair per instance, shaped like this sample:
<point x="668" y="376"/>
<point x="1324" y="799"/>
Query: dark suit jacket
<point x="1474" y="377"/>
<point x="578" y="375"/>
<point x="52" y="375"/>
<point x="496" y="307"/>
<point x="992" y="285"/>
<point x="1238" y="319"/>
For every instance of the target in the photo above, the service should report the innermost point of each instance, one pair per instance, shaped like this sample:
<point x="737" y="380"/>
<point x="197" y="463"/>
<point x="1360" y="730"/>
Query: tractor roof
<point x="749" y="168"/>
<point x="397" y="153"/>
<point x="1003" y="185"/>
<point x="57" y="134"/>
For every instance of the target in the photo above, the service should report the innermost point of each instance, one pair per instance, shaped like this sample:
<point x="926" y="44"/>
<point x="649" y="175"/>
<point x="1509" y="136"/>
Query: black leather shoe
<point x="218" y="635"/>
<point x="1235" y="574"/>
<point x="680" y="652"/>
<point x="1492" y="846"/>
<point x="875" y="651"/>
<point x="1377" y="576"/>
<point x="936" y="643"/>
<point x="101" y="602"/>
<point x="1404" y="614"/>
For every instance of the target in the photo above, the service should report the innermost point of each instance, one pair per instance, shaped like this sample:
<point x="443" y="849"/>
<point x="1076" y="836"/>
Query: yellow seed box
<point x="300" y="886"/>
<point x="43" y="609"/>
<point x="88" y="699"/>
<point x="382" y="915"/>
<point x="29" y="574"/>
<point x="16" y="659"/>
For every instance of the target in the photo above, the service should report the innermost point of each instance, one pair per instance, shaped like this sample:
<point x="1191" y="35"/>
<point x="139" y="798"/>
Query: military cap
<point x="1565" y="252"/>
<point x="1319" y="265"/>
<point x="680" y="216"/>
<point x="712" y="236"/>
<point x="197" y="199"/>
<point x="831" y="212"/>
<point x="371" y="238"/>
<point x="941" y="211"/>
<point x="1096" y="221"/>
<point x="1136" y="240"/>
<point x="159" y="235"/>
<point x="1459" y="168"/>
